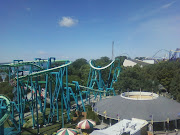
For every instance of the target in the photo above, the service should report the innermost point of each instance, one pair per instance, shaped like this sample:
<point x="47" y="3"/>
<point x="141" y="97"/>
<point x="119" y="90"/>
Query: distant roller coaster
<point x="174" y="55"/>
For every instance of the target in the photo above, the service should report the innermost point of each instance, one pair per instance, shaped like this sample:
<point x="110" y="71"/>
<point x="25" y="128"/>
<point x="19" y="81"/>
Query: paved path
<point x="167" y="133"/>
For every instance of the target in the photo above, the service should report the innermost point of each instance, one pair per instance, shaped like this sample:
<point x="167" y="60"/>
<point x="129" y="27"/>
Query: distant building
<point x="128" y="63"/>
<point x="132" y="62"/>
<point x="149" y="61"/>
<point x="124" y="127"/>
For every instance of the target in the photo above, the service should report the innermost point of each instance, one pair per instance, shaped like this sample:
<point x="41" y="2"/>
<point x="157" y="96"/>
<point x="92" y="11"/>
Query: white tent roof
<point x="124" y="126"/>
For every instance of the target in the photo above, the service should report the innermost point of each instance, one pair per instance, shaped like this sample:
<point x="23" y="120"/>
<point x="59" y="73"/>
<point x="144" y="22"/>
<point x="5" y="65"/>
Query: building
<point x="133" y="62"/>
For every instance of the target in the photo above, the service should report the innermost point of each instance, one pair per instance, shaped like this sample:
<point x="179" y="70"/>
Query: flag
<point x="167" y="120"/>
<point x="118" y="117"/>
<point x="105" y="114"/>
<point x="151" y="116"/>
<point x="152" y="121"/>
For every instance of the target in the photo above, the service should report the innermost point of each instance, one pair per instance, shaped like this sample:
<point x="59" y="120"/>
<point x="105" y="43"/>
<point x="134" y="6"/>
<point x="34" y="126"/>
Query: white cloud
<point x="168" y="5"/>
<point x="67" y="22"/>
<point x="42" y="52"/>
<point x="145" y="12"/>
<point x="28" y="9"/>
<point x="64" y="57"/>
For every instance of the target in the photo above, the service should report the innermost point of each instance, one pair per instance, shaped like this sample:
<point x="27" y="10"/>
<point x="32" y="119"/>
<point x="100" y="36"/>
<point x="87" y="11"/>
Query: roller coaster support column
<point x="37" y="106"/>
<point x="2" y="109"/>
<point x="9" y="73"/>
<point x="19" y="100"/>
<point x="13" y="107"/>
<point x="62" y="109"/>
<point x="49" y="62"/>
<point x="67" y="95"/>
<point x="78" y="92"/>
<point x="39" y="61"/>
<point x="44" y="109"/>
<point x="95" y="76"/>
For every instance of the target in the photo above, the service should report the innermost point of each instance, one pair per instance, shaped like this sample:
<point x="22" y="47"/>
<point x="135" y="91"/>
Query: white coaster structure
<point x="104" y="85"/>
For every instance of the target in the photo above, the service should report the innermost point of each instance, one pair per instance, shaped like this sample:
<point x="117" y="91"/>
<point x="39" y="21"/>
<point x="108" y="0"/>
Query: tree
<point x="121" y="58"/>
<point x="6" y="89"/>
<point x="140" y="58"/>
<point x="78" y="71"/>
<point x="1" y="79"/>
<point x="175" y="86"/>
<point x="78" y="63"/>
<point x="134" y="79"/>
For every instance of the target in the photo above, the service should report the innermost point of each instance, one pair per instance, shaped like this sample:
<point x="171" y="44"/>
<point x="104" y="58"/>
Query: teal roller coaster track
<point x="42" y="77"/>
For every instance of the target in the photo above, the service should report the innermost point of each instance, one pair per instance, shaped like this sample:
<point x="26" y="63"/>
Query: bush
<point x="92" y="115"/>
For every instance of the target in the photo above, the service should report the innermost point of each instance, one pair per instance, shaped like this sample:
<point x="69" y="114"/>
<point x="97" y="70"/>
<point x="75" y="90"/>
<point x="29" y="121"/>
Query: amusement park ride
<point x="45" y="85"/>
<point x="174" y="55"/>
<point x="163" y="55"/>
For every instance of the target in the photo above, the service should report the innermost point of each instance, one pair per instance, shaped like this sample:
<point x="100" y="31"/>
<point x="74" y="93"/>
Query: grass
<point x="50" y="129"/>
<point x="43" y="130"/>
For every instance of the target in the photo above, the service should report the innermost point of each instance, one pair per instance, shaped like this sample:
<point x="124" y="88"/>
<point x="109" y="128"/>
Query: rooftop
<point x="157" y="107"/>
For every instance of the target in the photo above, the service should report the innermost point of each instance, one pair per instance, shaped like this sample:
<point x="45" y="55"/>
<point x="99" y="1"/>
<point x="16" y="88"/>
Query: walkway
<point x="167" y="133"/>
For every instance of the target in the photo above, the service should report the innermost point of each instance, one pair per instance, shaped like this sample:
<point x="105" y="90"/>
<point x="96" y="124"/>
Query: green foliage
<point x="103" y="61"/>
<point x="150" y="76"/>
<point x="77" y="64"/>
<point x="78" y="71"/>
<point x="140" y="58"/>
<point x="52" y="129"/>
<point x="121" y="58"/>
<point x="174" y="86"/>
<point x="1" y="79"/>
<point x="6" y="89"/>
<point x="92" y="115"/>
<point x="166" y="73"/>
<point x="135" y="78"/>
<point x="84" y="72"/>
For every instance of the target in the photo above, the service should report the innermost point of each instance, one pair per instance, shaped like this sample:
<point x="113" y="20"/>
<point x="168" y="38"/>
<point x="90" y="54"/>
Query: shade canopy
<point x="86" y="124"/>
<point x="159" y="109"/>
<point x="66" y="131"/>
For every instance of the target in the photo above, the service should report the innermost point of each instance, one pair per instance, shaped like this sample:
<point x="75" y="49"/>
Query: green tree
<point x="6" y="89"/>
<point x="1" y="79"/>
<point x="121" y="58"/>
<point x="78" y="63"/>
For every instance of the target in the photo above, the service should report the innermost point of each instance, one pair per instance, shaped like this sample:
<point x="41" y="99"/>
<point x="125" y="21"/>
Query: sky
<point x="72" y="29"/>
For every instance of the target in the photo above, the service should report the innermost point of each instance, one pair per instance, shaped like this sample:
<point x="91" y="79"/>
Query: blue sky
<point x="71" y="29"/>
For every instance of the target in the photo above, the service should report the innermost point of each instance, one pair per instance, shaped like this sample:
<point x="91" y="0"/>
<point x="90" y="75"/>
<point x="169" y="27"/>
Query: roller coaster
<point x="174" y="55"/>
<point x="163" y="55"/>
<point x="95" y="78"/>
<point x="41" y="83"/>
